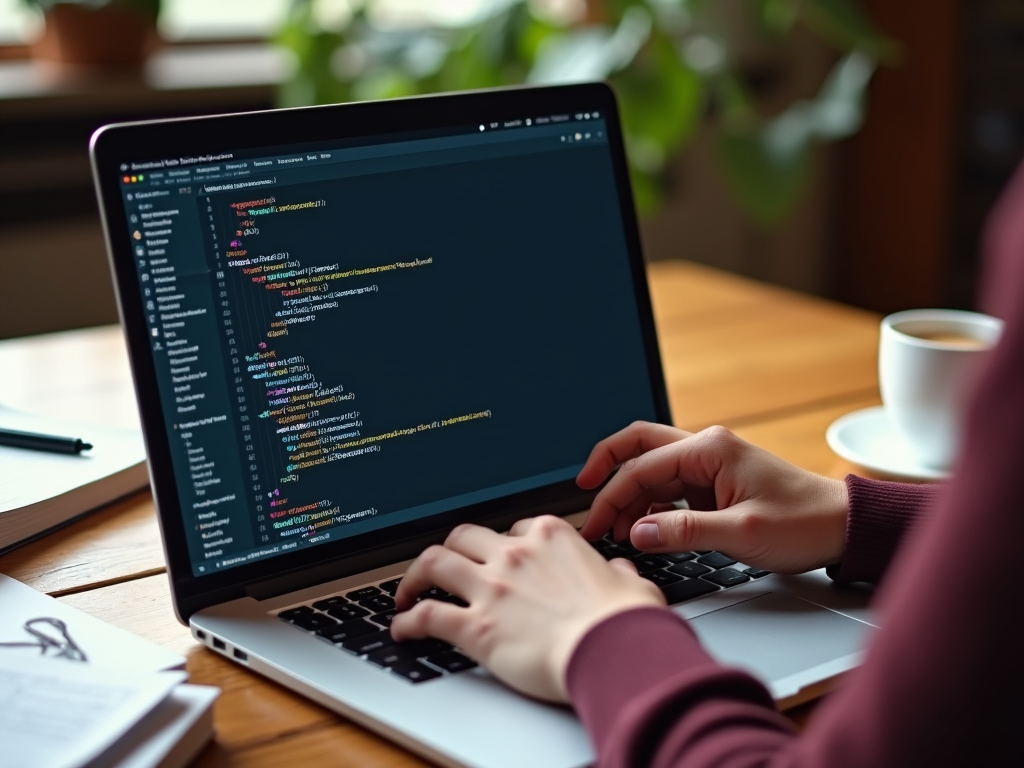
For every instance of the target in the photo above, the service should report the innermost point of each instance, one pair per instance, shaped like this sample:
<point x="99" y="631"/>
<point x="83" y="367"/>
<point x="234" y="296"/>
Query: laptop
<point x="354" y="327"/>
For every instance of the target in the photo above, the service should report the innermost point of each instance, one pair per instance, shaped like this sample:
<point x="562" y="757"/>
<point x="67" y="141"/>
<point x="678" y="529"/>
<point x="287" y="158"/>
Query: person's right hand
<point x="745" y="501"/>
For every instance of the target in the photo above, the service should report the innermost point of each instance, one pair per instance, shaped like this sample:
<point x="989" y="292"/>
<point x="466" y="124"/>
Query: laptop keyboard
<point x="358" y="620"/>
<point x="682" y="576"/>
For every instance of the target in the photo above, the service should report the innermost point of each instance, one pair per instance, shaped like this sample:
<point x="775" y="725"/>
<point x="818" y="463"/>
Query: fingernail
<point x="646" y="536"/>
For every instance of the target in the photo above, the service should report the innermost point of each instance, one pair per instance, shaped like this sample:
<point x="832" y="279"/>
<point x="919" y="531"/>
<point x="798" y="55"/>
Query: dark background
<point x="527" y="310"/>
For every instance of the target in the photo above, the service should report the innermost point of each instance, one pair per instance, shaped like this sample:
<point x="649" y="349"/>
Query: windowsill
<point x="171" y="70"/>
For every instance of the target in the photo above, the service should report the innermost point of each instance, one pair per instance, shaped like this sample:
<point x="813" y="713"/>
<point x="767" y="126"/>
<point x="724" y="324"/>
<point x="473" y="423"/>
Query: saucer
<point x="866" y="439"/>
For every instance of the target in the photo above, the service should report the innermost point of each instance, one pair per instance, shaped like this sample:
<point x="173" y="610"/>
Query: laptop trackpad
<point x="776" y="635"/>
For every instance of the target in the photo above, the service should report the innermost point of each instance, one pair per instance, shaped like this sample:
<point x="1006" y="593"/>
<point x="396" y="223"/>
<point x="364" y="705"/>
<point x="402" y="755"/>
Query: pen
<point x="37" y="442"/>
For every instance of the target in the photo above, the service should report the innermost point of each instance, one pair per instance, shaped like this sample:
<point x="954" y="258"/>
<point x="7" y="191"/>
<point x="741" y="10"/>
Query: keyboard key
<point x="390" y="586"/>
<point x="716" y="560"/>
<point x="610" y="553"/>
<point x="347" y="611"/>
<point x="313" y="621"/>
<point x="433" y="592"/>
<point x="427" y="646"/>
<point x="415" y="671"/>
<point x="291" y="613"/>
<point x="686" y="590"/>
<point x="454" y="600"/>
<point x="384" y="619"/>
<point x="393" y="654"/>
<point x="679" y="557"/>
<point x="451" y="661"/>
<point x="368" y="643"/>
<point x="378" y="603"/>
<point x="689" y="569"/>
<point x="726" y="577"/>
<point x="756" y="573"/>
<point x="329" y="602"/>
<point x="661" y="578"/>
<point x="645" y="563"/>
<point x="600" y="544"/>
<point x="347" y="630"/>
<point x="361" y="594"/>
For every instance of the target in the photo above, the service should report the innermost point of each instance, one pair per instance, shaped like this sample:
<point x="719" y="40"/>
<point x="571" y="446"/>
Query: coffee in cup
<point x="927" y="359"/>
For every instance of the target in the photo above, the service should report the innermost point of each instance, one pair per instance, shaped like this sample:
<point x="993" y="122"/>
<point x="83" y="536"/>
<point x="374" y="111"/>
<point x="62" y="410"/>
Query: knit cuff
<point x="881" y="514"/>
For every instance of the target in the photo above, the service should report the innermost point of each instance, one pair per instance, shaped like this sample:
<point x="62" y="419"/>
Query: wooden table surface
<point x="775" y="366"/>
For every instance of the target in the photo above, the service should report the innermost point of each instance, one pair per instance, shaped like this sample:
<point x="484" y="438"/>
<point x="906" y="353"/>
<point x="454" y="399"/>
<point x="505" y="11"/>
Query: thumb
<point x="682" y="530"/>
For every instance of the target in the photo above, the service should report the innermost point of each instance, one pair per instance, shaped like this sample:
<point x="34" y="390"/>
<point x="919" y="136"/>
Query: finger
<point x="520" y="527"/>
<point x="682" y="530"/>
<point x="642" y="505"/>
<point x="627" y="567"/>
<point x="625" y="500"/>
<point x="437" y="566"/>
<point x="696" y="460"/>
<point x="624" y="565"/>
<point x="473" y="541"/>
<point x="431" y="618"/>
<point x="636" y="439"/>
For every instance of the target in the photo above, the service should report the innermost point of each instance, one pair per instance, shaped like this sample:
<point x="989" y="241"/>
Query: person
<point x="942" y="682"/>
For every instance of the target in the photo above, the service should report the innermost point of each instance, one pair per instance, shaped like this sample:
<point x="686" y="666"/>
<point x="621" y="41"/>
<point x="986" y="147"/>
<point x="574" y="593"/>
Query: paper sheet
<point x="62" y="714"/>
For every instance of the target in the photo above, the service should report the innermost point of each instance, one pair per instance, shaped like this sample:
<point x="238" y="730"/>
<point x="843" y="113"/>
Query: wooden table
<point x="775" y="366"/>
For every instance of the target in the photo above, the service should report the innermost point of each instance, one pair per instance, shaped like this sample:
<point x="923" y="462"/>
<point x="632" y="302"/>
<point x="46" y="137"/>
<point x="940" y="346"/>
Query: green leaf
<point x="779" y="16"/>
<point x="766" y="183"/>
<point x="591" y="53"/>
<point x="844" y="24"/>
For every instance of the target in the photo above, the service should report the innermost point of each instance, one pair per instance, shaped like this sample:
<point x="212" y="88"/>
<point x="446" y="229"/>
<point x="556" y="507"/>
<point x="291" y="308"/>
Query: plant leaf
<point x="766" y="183"/>
<point x="591" y="53"/>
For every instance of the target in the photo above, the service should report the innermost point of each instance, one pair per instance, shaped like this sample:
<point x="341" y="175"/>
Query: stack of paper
<point x="59" y="713"/>
<point x="125" y="705"/>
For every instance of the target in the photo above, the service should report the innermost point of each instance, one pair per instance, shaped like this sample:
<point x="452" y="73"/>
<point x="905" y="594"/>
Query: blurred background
<point x="845" y="148"/>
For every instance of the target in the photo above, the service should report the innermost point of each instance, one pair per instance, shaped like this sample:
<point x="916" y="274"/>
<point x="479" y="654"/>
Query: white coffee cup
<point x="927" y="359"/>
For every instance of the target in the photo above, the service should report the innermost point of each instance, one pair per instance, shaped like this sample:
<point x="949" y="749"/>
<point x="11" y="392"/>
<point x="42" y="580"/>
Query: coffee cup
<point x="927" y="359"/>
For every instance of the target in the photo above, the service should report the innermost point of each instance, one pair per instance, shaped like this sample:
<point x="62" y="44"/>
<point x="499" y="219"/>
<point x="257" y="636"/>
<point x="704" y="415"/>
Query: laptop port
<point x="200" y="634"/>
<point x="219" y="644"/>
<point x="240" y="654"/>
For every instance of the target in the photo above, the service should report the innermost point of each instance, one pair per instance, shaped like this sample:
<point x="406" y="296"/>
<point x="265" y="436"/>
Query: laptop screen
<point x="352" y="335"/>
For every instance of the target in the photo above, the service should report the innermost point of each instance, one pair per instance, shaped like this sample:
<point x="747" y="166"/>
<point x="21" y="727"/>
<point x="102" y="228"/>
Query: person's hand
<point x="532" y="596"/>
<point x="745" y="501"/>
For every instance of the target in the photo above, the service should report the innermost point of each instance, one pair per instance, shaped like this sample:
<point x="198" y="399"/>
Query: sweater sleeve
<point x="942" y="679"/>
<point x="635" y="675"/>
<point x="881" y="513"/>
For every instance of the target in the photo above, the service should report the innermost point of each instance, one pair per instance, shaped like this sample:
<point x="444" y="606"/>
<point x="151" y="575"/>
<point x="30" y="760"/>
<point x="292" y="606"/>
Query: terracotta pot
<point x="105" y="37"/>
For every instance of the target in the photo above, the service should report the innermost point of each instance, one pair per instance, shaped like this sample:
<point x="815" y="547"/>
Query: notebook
<point x="40" y="490"/>
<point x="354" y="327"/>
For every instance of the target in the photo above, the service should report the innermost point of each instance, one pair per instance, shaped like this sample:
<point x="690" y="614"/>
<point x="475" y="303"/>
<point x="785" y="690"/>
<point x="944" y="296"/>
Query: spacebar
<point x="678" y="591"/>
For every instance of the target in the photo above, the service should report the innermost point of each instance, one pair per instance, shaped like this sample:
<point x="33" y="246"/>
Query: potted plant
<point x="675" y="64"/>
<point x="96" y="33"/>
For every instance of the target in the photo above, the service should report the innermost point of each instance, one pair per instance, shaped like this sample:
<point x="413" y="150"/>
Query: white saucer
<point x="865" y="438"/>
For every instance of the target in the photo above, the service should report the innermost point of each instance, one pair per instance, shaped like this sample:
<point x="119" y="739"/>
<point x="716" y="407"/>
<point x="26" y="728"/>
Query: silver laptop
<point x="354" y="327"/>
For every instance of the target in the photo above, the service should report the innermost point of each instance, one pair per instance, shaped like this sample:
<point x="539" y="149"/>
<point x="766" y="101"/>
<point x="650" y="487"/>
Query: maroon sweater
<point x="942" y="683"/>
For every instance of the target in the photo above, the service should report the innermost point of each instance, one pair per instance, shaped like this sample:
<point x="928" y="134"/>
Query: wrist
<point x="837" y="506"/>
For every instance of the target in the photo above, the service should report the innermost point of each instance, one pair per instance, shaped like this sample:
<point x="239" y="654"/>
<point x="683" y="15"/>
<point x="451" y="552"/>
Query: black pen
<point x="37" y="442"/>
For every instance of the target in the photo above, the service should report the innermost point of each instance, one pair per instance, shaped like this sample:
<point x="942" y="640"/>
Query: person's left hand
<point x="532" y="595"/>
